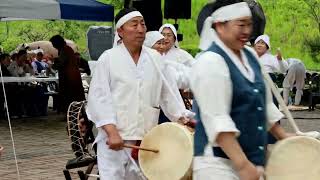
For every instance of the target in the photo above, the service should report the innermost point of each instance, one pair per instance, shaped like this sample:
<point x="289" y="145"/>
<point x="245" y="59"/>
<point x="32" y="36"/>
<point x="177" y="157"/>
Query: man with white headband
<point x="125" y="96"/>
<point x="232" y="102"/>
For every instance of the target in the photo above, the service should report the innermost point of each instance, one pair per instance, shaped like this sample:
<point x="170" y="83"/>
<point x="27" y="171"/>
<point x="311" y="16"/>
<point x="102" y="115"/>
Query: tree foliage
<point x="293" y="25"/>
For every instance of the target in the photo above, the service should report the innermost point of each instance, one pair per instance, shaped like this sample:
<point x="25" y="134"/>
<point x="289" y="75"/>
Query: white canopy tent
<point x="88" y="10"/>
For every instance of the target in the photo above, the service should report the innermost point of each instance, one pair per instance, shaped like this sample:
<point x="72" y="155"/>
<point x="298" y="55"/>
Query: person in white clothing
<point x="155" y="40"/>
<point x="179" y="72"/>
<point x="272" y="64"/>
<point x="295" y="78"/>
<point x="126" y="92"/>
<point x="232" y="103"/>
<point x="172" y="50"/>
<point x="173" y="71"/>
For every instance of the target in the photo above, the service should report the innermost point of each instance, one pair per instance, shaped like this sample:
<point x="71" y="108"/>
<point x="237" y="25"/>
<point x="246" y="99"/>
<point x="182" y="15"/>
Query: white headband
<point x="173" y="29"/>
<point x="152" y="37"/>
<point x="122" y="21"/>
<point x="231" y="12"/>
<point x="265" y="38"/>
<point x="223" y="14"/>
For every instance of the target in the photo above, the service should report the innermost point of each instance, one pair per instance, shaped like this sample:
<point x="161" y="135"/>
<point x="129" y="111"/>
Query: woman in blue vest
<point x="233" y="103"/>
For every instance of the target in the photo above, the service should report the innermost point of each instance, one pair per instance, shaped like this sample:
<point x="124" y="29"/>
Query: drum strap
<point x="218" y="152"/>
<point x="135" y="152"/>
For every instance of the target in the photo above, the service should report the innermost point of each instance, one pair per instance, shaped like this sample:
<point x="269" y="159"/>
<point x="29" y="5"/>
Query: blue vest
<point x="247" y="112"/>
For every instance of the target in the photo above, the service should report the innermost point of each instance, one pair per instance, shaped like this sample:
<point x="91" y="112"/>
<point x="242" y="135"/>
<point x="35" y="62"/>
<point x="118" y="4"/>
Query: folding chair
<point x="314" y="90"/>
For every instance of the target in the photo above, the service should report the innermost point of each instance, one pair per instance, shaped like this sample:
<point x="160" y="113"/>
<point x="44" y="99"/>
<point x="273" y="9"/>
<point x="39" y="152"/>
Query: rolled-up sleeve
<point x="100" y="108"/>
<point x="212" y="88"/>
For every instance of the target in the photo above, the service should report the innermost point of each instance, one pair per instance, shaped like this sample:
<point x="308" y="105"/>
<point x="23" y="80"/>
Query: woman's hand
<point x="249" y="172"/>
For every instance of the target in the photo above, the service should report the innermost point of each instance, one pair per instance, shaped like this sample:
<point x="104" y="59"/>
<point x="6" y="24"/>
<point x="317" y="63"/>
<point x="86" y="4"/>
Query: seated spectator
<point x="19" y="68"/>
<point x="5" y="62"/>
<point x="38" y="64"/>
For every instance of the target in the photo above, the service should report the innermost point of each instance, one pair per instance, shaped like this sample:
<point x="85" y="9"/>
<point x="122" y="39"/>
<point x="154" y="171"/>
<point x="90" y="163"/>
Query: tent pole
<point x="7" y="30"/>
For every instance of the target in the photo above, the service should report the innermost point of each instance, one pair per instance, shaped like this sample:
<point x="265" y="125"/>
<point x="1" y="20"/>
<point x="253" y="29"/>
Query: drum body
<point x="295" y="158"/>
<point x="174" y="159"/>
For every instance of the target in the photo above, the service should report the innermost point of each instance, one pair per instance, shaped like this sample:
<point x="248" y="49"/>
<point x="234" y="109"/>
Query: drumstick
<point x="276" y="93"/>
<point x="281" y="102"/>
<point x="140" y="148"/>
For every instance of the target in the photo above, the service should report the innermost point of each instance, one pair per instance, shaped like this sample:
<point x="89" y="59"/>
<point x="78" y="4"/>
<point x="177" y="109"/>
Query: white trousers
<point x="214" y="168"/>
<point x="115" y="165"/>
<point x="295" y="77"/>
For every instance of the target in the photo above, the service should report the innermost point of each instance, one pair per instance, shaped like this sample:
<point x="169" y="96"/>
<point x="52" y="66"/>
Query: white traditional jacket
<point x="272" y="64"/>
<point x="180" y="56"/>
<point x="129" y="95"/>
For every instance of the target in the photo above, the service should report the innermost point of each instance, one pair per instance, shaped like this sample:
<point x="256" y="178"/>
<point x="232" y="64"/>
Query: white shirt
<point x="272" y="64"/>
<point x="181" y="73"/>
<point x="129" y="95"/>
<point x="292" y="61"/>
<point x="180" y="56"/>
<point x="212" y="86"/>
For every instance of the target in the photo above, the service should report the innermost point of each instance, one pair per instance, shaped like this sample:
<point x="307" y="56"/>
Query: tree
<point x="314" y="10"/>
<point x="313" y="42"/>
<point x="118" y="4"/>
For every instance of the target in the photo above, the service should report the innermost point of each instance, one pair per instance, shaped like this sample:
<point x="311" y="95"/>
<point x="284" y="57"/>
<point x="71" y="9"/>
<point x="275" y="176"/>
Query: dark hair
<point x="58" y="41"/>
<point x="14" y="56"/>
<point x="3" y="56"/>
<point x="122" y="13"/>
<point x="21" y="53"/>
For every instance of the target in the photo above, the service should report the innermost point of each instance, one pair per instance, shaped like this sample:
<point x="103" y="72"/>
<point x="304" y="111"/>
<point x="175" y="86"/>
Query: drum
<point x="294" y="158"/>
<point x="174" y="159"/>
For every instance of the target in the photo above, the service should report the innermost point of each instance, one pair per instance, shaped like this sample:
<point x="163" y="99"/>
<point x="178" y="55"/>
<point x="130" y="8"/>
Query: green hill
<point x="289" y="24"/>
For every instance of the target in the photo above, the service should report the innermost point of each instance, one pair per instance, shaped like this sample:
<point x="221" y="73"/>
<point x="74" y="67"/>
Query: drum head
<point x="295" y="158"/>
<point x="175" y="145"/>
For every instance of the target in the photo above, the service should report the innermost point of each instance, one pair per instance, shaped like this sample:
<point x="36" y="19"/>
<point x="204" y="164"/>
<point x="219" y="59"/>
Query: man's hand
<point x="183" y="120"/>
<point x="114" y="141"/>
<point x="249" y="172"/>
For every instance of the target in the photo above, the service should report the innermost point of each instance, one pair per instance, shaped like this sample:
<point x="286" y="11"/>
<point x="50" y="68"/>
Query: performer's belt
<point x="218" y="152"/>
